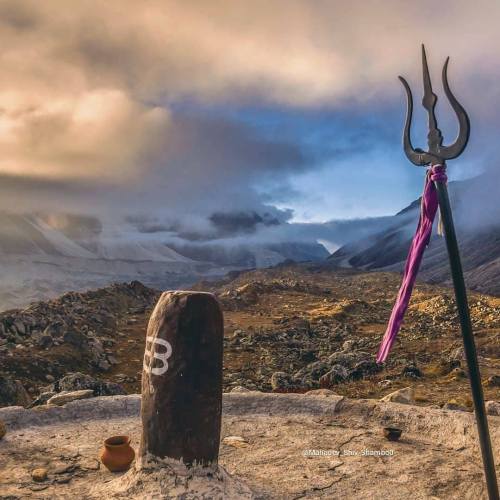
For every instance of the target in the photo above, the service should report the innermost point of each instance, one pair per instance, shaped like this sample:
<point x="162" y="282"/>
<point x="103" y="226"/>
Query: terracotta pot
<point x="117" y="454"/>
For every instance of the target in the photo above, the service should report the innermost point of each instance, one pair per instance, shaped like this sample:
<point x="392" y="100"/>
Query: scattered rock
<point x="89" y="464"/>
<point x="281" y="382"/>
<point x="392" y="433"/>
<point x="104" y="365"/>
<point x="75" y="338"/>
<point x="64" y="469"/>
<point x="457" y="374"/>
<point x="12" y="393"/>
<point x="240" y="388"/>
<point x="39" y="475"/>
<point x="493" y="408"/>
<point x="405" y="396"/>
<point x="79" y="381"/>
<point x="337" y="374"/>
<point x="42" y="398"/>
<point x="44" y="341"/>
<point x="454" y="405"/>
<point x="411" y="371"/>
<point x="493" y="381"/>
<point x="457" y="354"/>
<point x="364" y="368"/>
<point x="385" y="383"/>
<point x="112" y="360"/>
<point x="235" y="441"/>
<point x="64" y="479"/>
<point x="349" y="345"/>
<point x="65" y="397"/>
<point x="321" y="392"/>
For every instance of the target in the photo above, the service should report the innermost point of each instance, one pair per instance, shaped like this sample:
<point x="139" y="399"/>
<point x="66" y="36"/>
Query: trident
<point x="436" y="157"/>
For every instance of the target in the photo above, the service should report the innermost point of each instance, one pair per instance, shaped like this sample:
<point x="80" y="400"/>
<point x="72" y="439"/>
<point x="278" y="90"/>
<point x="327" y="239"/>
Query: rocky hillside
<point x="75" y="332"/>
<point x="292" y="328"/>
<point x="478" y="228"/>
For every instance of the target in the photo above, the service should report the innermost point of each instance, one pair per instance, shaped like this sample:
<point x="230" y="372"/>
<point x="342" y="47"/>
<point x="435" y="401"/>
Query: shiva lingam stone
<point x="182" y="381"/>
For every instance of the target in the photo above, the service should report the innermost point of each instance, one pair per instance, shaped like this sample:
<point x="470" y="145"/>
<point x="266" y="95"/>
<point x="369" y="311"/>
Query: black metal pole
<point x="468" y="338"/>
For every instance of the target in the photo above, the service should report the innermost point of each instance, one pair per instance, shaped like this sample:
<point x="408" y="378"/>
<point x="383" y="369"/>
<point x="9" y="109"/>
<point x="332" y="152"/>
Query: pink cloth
<point x="420" y="241"/>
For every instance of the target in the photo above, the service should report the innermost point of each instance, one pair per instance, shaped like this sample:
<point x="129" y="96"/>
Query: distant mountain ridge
<point x="478" y="230"/>
<point x="43" y="255"/>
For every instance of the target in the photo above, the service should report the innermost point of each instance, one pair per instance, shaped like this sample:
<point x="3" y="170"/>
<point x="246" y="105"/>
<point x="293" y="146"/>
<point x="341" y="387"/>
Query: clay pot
<point x="117" y="454"/>
<point x="392" y="433"/>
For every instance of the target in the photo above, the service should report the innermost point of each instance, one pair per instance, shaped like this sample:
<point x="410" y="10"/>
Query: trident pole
<point x="468" y="339"/>
<point x="436" y="157"/>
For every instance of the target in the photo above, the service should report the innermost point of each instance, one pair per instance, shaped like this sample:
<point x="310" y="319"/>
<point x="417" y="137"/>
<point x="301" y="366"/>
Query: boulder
<point x="240" y="388"/>
<point x="44" y="341"/>
<point x="349" y="345"/>
<point x="235" y="441"/>
<point x="39" y="475"/>
<point x="12" y="393"/>
<point x="42" y="398"/>
<point x="452" y="404"/>
<point x="411" y="371"/>
<point x="364" y="369"/>
<point x="349" y="358"/>
<point x="405" y="396"/>
<point x="281" y="382"/>
<point x="55" y="329"/>
<point x="321" y="392"/>
<point x="65" y="397"/>
<point x="493" y="381"/>
<point x="337" y="374"/>
<point x="75" y="338"/>
<point x="493" y="408"/>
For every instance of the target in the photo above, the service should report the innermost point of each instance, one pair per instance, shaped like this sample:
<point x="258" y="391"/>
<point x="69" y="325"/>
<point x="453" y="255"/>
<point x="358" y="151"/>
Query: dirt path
<point x="437" y="456"/>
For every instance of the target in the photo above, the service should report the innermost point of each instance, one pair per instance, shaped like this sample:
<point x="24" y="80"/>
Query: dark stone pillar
<point x="182" y="379"/>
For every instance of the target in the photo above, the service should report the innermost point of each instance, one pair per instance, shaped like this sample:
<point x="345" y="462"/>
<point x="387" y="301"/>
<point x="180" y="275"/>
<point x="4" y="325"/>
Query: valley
<point x="291" y="328"/>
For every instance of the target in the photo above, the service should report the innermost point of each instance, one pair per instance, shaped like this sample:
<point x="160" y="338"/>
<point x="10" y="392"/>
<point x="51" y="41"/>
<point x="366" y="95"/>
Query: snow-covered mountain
<point x="43" y="255"/>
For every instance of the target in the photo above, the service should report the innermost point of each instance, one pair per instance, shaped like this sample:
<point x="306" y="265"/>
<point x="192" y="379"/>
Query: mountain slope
<point x="478" y="231"/>
<point x="43" y="255"/>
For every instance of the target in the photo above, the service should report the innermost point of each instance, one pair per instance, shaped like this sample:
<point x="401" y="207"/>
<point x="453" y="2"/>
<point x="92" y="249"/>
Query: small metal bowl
<point x="392" y="433"/>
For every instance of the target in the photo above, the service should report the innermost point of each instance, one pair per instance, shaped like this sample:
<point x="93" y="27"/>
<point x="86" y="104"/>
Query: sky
<point x="184" y="109"/>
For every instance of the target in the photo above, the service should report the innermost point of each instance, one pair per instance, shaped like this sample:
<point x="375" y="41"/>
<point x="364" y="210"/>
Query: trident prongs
<point x="437" y="153"/>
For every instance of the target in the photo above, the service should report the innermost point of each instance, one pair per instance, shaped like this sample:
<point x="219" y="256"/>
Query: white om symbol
<point x="150" y="354"/>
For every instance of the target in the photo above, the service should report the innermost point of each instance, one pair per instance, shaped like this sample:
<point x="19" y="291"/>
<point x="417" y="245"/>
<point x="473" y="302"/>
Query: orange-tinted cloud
<point x="85" y="87"/>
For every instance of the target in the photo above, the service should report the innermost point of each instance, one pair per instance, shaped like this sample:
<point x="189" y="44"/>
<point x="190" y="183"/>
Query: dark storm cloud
<point x="89" y="96"/>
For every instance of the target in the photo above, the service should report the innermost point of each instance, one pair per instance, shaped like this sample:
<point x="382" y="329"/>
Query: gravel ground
<point x="436" y="457"/>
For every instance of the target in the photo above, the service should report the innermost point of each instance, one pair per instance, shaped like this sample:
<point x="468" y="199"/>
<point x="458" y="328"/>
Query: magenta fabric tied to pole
<point x="420" y="241"/>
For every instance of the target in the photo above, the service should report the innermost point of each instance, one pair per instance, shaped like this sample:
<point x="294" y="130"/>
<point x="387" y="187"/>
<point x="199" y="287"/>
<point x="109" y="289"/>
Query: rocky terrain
<point x="292" y="328"/>
<point x="78" y="332"/>
<point x="303" y="393"/>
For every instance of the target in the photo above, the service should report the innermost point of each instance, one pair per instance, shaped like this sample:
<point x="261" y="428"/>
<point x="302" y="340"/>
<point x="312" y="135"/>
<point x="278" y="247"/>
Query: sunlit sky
<point x="191" y="107"/>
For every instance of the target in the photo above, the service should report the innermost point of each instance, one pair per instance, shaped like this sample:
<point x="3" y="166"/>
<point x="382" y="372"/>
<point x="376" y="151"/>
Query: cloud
<point x="92" y="95"/>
